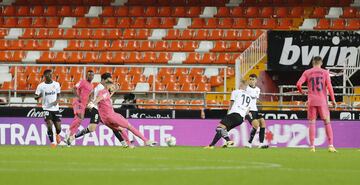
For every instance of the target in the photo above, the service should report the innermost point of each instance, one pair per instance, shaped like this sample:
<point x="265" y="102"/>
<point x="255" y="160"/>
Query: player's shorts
<point x="313" y="111"/>
<point x="232" y="120"/>
<point x="94" y="116"/>
<point x="254" y="115"/>
<point x="78" y="107"/>
<point x="52" y="115"/>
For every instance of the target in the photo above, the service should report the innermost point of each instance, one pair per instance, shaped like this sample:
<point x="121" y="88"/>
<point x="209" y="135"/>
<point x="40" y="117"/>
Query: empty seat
<point x="181" y="104"/>
<point x="223" y="12"/>
<point x="266" y="12"/>
<point x="122" y="11"/>
<point x="349" y="12"/>
<point x="282" y="12"/>
<point x="296" y="12"/>
<point x="90" y="57"/>
<point x="197" y="23"/>
<point x="251" y="12"/>
<point x="353" y="24"/>
<point x="284" y="24"/>
<point x="197" y="105"/>
<point x="319" y="12"/>
<point x="225" y="23"/>
<point x="172" y="34"/>
<point x="107" y="11"/>
<point x="75" y="57"/>
<point x="338" y="24"/>
<point x="323" y="24"/>
<point x="240" y="23"/>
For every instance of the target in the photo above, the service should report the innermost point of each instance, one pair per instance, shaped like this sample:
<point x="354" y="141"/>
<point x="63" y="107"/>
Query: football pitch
<point x="41" y="165"/>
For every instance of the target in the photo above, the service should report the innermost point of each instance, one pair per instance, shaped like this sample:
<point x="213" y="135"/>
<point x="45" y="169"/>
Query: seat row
<point x="136" y="34"/>
<point x="338" y="24"/>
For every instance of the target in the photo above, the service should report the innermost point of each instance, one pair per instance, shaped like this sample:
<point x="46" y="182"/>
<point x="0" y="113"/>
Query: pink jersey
<point x="318" y="80"/>
<point x="105" y="106"/>
<point x="83" y="89"/>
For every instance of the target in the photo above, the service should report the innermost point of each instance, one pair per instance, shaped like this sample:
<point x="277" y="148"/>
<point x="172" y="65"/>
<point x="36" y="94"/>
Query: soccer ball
<point x="170" y="141"/>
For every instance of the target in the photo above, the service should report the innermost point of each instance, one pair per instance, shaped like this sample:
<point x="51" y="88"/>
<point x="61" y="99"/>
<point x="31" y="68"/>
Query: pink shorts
<point x="78" y="107"/>
<point x="313" y="111"/>
<point x="115" y="121"/>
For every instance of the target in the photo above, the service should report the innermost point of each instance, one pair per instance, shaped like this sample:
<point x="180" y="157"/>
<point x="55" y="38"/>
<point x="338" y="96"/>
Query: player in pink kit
<point x="82" y="91"/>
<point x="114" y="120"/>
<point x="318" y="80"/>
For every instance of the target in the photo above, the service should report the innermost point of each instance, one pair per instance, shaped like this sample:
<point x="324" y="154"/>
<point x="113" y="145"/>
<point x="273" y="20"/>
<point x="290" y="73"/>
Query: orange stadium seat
<point x="108" y="11"/>
<point x="231" y="35"/>
<point x="189" y="34"/>
<point x="5" y="56"/>
<point x="75" y="57"/>
<point x="252" y="12"/>
<point x="216" y="80"/>
<point x="181" y="71"/>
<point x="208" y="58"/>
<point x="196" y="104"/>
<point x="212" y="104"/>
<point x="240" y="23"/>
<point x="117" y="45"/>
<point x="349" y="12"/>
<point x="168" y="104"/>
<point x="104" y="57"/>
<point x="216" y="34"/>
<point x="3" y="32"/>
<point x="323" y="24"/>
<point x="18" y="56"/>
<point x="98" y="34"/>
<point x="56" y="33"/>
<point x="83" y="33"/>
<point x="203" y="87"/>
<point x="7" y="86"/>
<point x="70" y="33"/>
<point x="136" y="11"/>
<point x="129" y="34"/>
<point x="219" y="46"/>
<point x="237" y="12"/>
<point x="90" y="57"/>
<point x="181" y="104"/>
<point x="196" y="71"/>
<point x="23" y="11"/>
<point x="61" y="57"/>
<point x="152" y="104"/>
<point x="173" y="87"/>
<point x="167" y="22"/>
<point x="82" y="22"/>
<point x="211" y="23"/>
<point x="161" y="46"/>
<point x="73" y="45"/>
<point x="46" y="57"/>
<point x="143" y="34"/>
<point x="65" y="11"/>
<point x="87" y="45"/>
<point x="139" y="22"/>
<point x="134" y="57"/>
<point x="190" y="46"/>
<point x="281" y="12"/>
<point x="338" y="24"/>
<point x="102" y="45"/>
<point x="163" y="58"/>
<point x="132" y="45"/>
<point x="148" y="57"/>
<point x="255" y="23"/>
<point x="45" y="44"/>
<point x="269" y="23"/>
<point x="95" y="22"/>
<point x="10" y="22"/>
<point x="167" y="78"/>
<point x="223" y="58"/>
<point x="151" y="11"/>
<point x="42" y="33"/>
<point x="284" y="24"/>
<point x="122" y="11"/>
<point x="353" y="24"/>
<point x="165" y="11"/>
<point x="37" y="11"/>
<point x="119" y="58"/>
<point x="9" y="11"/>
<point x="63" y="77"/>
<point x="147" y="46"/>
<point x="139" y="78"/>
<point x="184" y="78"/>
<point x="193" y="11"/>
<point x="223" y="12"/>
<point x="80" y="11"/>
<point x="172" y="34"/>
<point x="197" y="23"/>
<point x="225" y="23"/>
<point x="266" y="12"/>
<point x="50" y="11"/>
<point x="175" y="46"/>
<point x="113" y="34"/>
<point x="319" y="12"/>
<point x="179" y="11"/>
<point x="67" y="85"/>
<point x="296" y="12"/>
<point x="165" y="71"/>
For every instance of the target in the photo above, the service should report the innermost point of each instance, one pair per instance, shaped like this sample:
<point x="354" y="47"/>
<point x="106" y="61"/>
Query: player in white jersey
<point x="238" y="109"/>
<point x="49" y="92"/>
<point x="255" y="118"/>
<point x="94" y="113"/>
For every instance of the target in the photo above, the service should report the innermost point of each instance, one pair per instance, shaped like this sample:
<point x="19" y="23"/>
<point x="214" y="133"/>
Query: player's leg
<point x="57" y="123"/>
<point x="262" y="132"/>
<point x="79" y="111"/>
<point x="94" y="121"/>
<point x="255" y="125"/>
<point x="312" y="114"/>
<point x="49" y="124"/>
<point x="220" y="131"/>
<point x="118" y="135"/>
<point x="325" y="115"/>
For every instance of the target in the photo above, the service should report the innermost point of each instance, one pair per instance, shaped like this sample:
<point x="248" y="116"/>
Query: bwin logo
<point x="308" y="52"/>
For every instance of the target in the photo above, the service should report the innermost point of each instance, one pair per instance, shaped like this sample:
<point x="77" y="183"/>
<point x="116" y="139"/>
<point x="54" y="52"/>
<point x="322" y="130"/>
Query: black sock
<point x="118" y="135"/>
<point x="227" y="138"/>
<point x="216" y="138"/>
<point x="252" y="134"/>
<point x="82" y="132"/>
<point x="262" y="135"/>
<point x="50" y="135"/>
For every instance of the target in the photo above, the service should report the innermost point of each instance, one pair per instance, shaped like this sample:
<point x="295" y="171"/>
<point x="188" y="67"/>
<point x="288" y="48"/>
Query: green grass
<point x="41" y="165"/>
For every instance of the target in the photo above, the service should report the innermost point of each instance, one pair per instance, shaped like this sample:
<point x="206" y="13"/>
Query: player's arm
<point x="117" y="87"/>
<point x="330" y="89"/>
<point x="99" y="98"/>
<point x="37" y="93"/>
<point x="300" y="82"/>
<point x="75" y="90"/>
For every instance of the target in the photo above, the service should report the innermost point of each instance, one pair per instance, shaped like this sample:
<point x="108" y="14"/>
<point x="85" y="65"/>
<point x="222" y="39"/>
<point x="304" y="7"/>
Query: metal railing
<point x="250" y="57"/>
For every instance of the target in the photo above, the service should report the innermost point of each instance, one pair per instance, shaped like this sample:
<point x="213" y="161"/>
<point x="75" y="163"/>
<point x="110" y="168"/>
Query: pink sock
<point x="329" y="134"/>
<point x="125" y="136"/>
<point x="312" y="133"/>
<point x="75" y="125"/>
<point x="137" y="133"/>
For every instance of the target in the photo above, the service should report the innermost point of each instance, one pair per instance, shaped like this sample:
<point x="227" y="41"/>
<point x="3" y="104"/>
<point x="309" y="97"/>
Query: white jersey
<point x="97" y="89"/>
<point x="48" y="94"/>
<point x="255" y="94"/>
<point x="241" y="103"/>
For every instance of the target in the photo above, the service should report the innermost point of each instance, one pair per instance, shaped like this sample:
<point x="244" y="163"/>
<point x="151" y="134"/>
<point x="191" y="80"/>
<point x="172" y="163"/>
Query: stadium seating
<point x="151" y="32"/>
